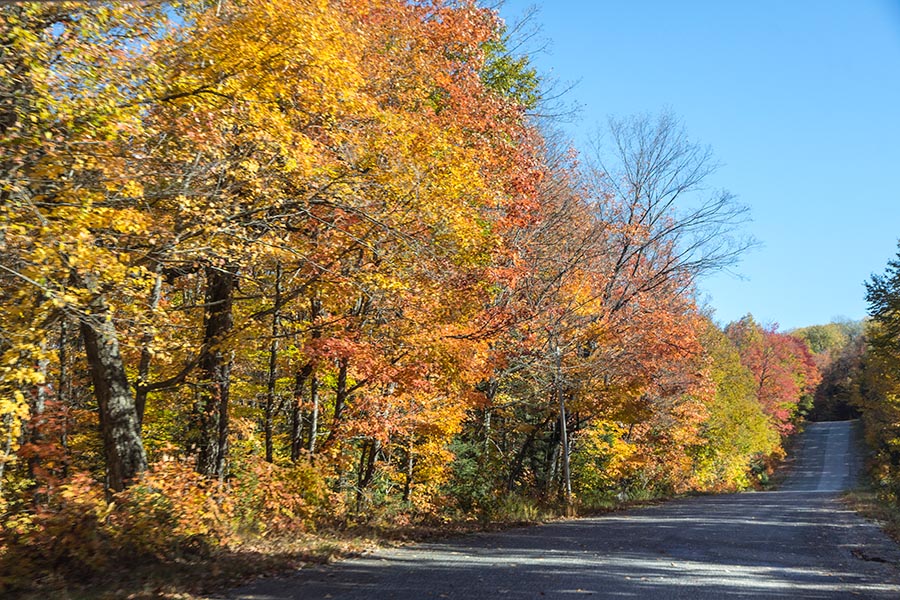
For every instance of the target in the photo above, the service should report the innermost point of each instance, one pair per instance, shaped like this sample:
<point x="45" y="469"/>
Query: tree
<point x="823" y="339"/>
<point x="876" y="390"/>
<point x="783" y="367"/>
<point x="883" y="296"/>
<point x="840" y="380"/>
<point x="71" y="216"/>
<point x="604" y="273"/>
<point x="653" y="179"/>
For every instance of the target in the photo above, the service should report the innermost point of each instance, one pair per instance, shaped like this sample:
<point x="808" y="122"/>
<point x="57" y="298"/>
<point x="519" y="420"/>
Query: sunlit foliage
<point x="272" y="264"/>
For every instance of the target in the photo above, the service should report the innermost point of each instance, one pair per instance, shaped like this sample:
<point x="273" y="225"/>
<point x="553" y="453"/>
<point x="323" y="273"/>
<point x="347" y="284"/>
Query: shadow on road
<point x="798" y="542"/>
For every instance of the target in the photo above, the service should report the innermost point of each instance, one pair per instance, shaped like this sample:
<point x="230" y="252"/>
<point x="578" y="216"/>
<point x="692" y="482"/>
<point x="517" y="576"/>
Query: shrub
<point x="276" y="500"/>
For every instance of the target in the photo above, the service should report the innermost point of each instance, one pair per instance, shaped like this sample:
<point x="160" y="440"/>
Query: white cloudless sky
<point x="800" y="102"/>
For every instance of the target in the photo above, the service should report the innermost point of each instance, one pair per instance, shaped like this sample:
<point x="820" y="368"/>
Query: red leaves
<point x="782" y="365"/>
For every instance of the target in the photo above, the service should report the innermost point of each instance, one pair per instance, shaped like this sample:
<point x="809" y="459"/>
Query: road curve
<point x="798" y="542"/>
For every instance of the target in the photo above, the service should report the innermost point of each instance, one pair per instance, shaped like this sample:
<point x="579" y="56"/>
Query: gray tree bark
<point x="215" y="372"/>
<point x="119" y="426"/>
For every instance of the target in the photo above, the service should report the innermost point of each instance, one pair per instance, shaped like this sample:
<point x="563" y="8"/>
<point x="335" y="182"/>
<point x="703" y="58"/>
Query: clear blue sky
<point x="800" y="101"/>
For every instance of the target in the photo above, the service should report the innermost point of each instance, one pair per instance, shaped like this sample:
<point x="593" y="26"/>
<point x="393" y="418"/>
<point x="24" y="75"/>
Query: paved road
<point x="795" y="543"/>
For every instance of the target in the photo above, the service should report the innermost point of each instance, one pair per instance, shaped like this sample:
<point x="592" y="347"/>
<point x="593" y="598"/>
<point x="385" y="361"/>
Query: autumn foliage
<point x="273" y="265"/>
<point x="783" y="369"/>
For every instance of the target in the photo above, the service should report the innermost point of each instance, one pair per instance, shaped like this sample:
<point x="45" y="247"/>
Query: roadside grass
<point x="866" y="502"/>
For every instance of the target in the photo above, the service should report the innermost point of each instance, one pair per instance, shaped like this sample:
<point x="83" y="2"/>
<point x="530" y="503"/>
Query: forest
<point x="276" y="267"/>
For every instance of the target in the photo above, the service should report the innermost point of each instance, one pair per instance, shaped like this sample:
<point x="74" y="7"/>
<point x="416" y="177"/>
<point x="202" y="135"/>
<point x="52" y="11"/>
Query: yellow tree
<point x="72" y="219"/>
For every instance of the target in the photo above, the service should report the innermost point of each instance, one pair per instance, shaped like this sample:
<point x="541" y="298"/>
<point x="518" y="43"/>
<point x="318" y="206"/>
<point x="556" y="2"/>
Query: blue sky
<point x="800" y="102"/>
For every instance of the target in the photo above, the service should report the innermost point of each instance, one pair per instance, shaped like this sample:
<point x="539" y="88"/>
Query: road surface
<point x="798" y="542"/>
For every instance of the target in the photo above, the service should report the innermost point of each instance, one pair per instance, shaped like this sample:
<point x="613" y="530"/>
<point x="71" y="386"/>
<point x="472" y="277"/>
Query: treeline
<point x="837" y="350"/>
<point x="267" y="264"/>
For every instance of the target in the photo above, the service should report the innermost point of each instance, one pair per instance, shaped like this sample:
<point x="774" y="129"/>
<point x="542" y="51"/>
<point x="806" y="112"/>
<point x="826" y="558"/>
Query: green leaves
<point x="510" y="76"/>
<point x="883" y="296"/>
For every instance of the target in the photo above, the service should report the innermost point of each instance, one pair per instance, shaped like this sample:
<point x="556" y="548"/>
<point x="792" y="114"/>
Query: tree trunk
<point x="313" y="414"/>
<point x="315" y="308"/>
<point x="123" y="448"/>
<point x="273" y="364"/>
<point x="550" y="460"/>
<point x="516" y="469"/>
<point x="297" y="411"/>
<point x="366" y="469"/>
<point x="490" y="391"/>
<point x="487" y="431"/>
<point x="64" y="380"/>
<point x="215" y="372"/>
<point x="563" y="426"/>
<point x="341" y="395"/>
<point x="408" y="473"/>
<point x="64" y="393"/>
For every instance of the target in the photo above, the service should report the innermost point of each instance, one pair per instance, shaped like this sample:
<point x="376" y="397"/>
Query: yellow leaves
<point x="129" y="220"/>
<point x="132" y="189"/>
<point x="22" y="39"/>
<point x="605" y="457"/>
<point x="13" y="412"/>
<point x="20" y="356"/>
<point x="14" y="407"/>
<point x="277" y="50"/>
<point x="249" y="165"/>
